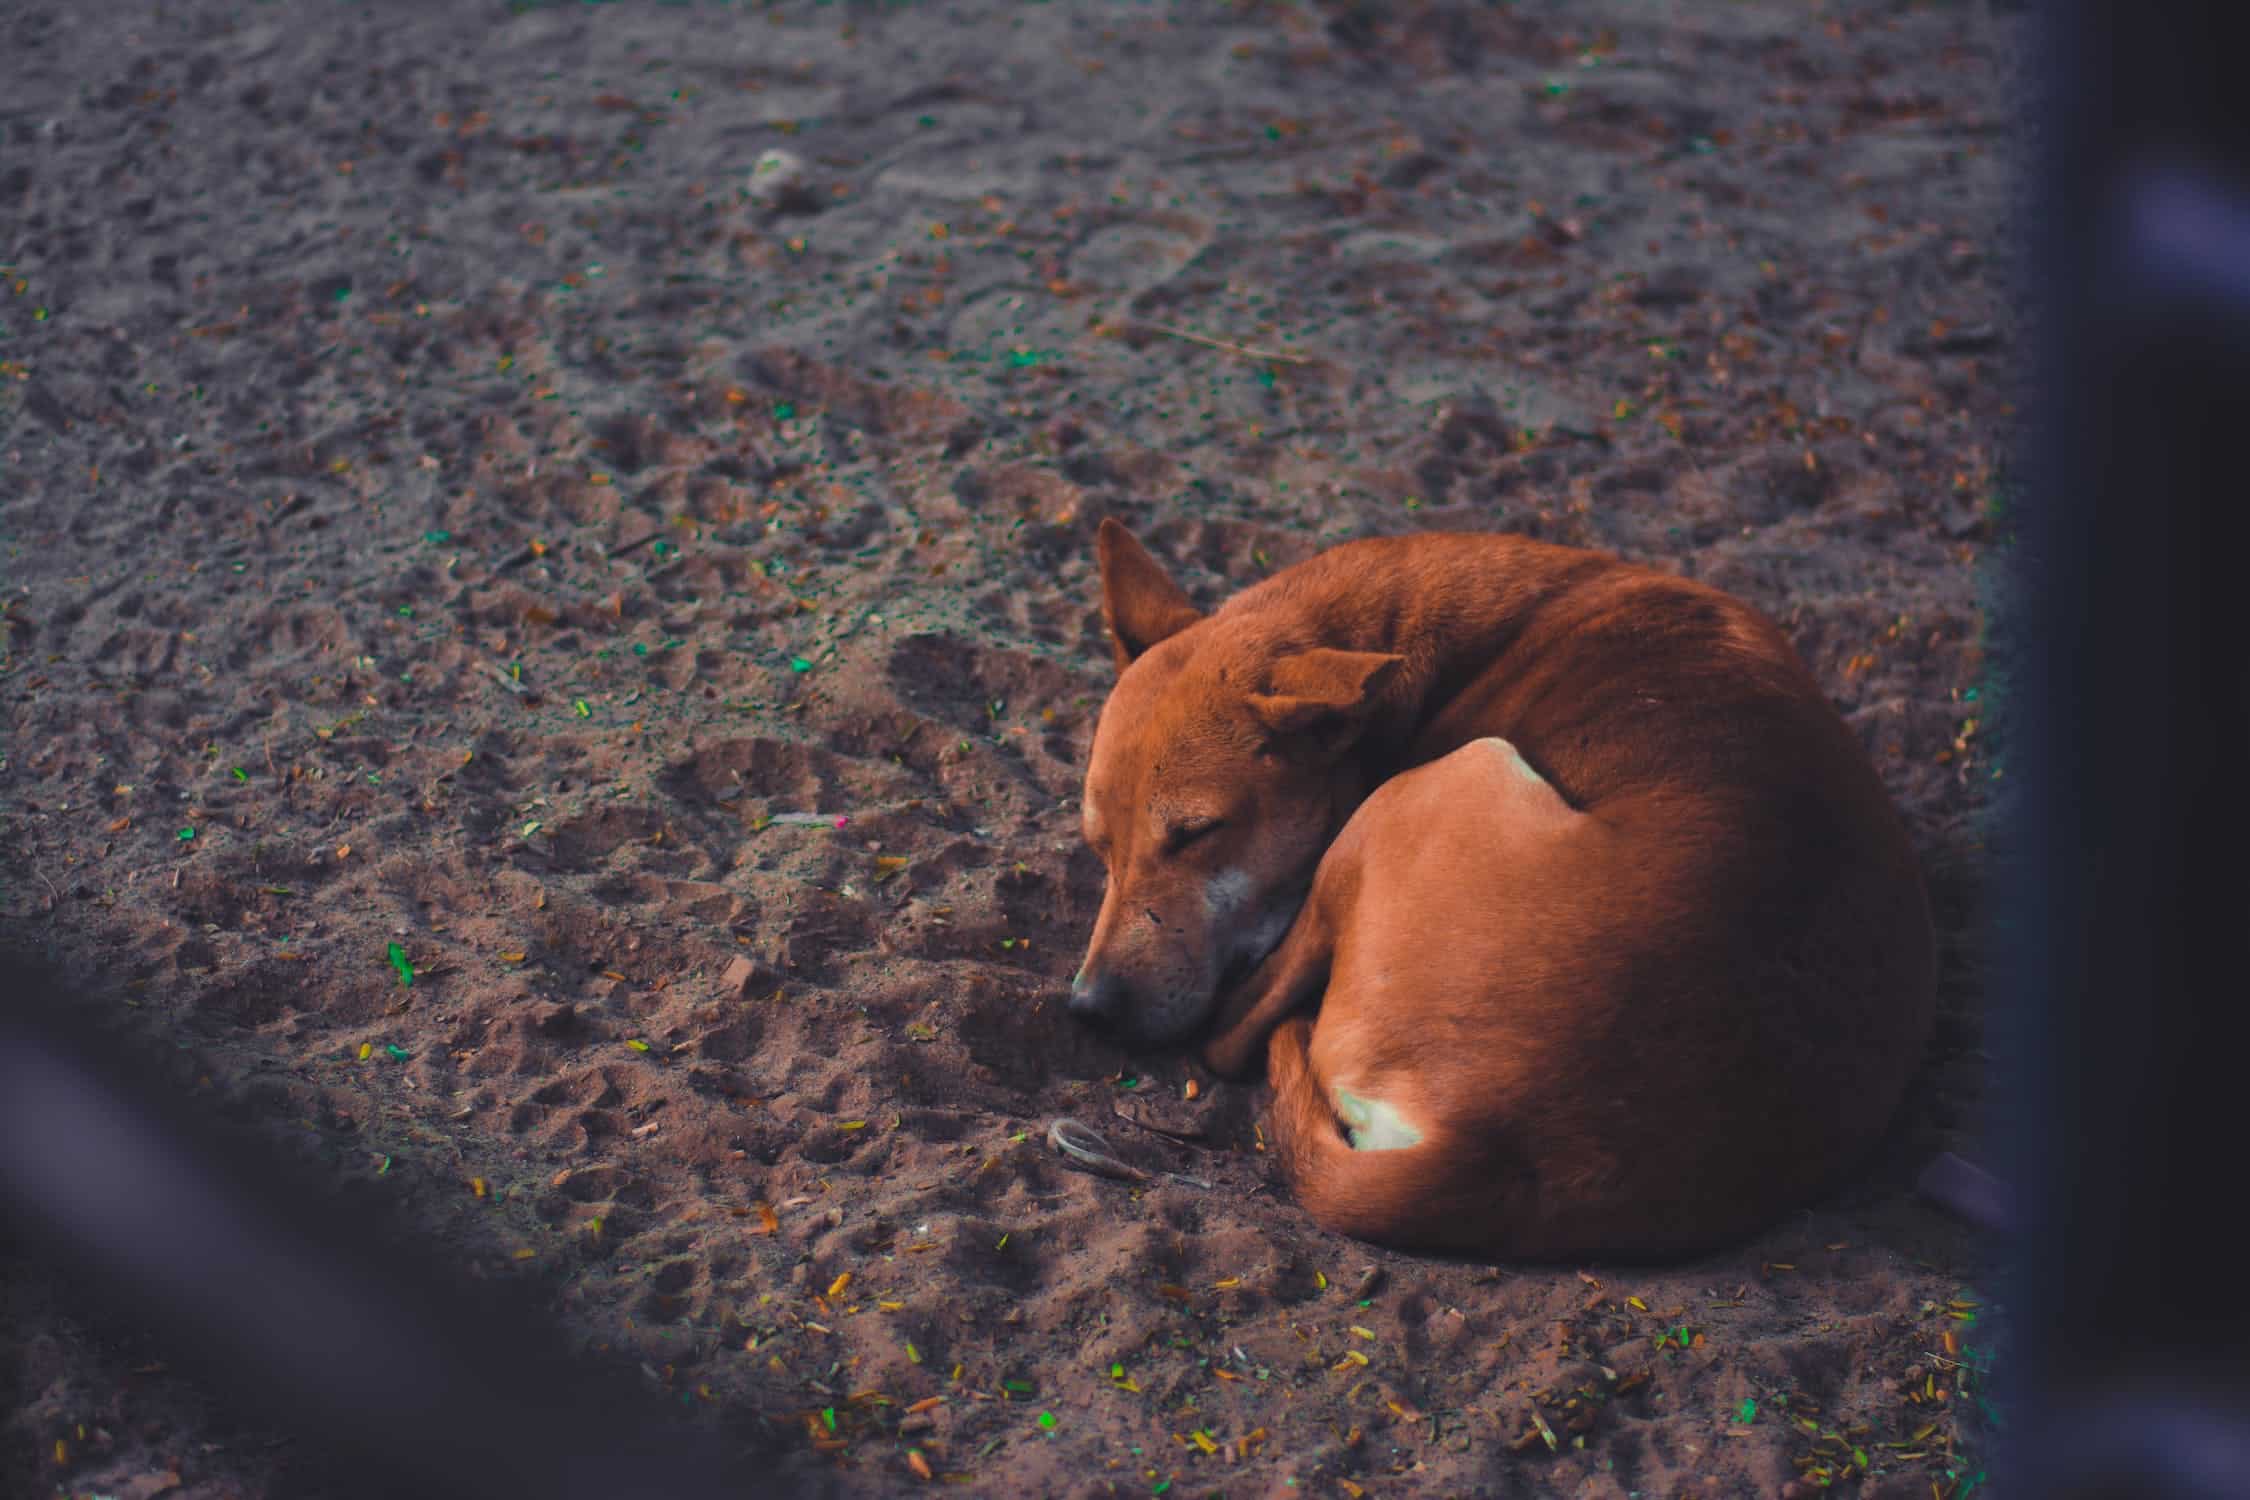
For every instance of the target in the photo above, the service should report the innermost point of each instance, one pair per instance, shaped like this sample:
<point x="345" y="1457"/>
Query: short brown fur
<point x="1638" y="1003"/>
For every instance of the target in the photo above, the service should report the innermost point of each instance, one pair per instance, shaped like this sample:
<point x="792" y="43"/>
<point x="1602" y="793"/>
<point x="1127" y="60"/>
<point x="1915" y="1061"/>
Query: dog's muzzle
<point x="1096" y="998"/>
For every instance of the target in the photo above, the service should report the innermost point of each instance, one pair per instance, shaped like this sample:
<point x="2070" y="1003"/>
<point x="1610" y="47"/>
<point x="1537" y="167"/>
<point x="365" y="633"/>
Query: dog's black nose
<point x="1096" y="997"/>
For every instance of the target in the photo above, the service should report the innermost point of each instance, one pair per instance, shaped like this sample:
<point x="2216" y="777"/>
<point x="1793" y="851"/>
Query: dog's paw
<point x="1287" y="1049"/>
<point x="1234" y="1055"/>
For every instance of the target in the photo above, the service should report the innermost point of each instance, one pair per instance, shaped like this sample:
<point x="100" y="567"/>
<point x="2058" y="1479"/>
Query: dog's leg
<point x="1369" y="1195"/>
<point x="1434" y="1194"/>
<point x="1289" y="976"/>
<point x="1306" y="1131"/>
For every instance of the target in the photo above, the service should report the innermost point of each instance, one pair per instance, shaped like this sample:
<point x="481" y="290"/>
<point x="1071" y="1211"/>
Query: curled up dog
<point x="1565" y="913"/>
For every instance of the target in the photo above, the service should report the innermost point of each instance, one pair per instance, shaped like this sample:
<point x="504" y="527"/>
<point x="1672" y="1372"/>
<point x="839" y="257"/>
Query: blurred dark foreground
<point x="301" y="1311"/>
<point x="2125" y="899"/>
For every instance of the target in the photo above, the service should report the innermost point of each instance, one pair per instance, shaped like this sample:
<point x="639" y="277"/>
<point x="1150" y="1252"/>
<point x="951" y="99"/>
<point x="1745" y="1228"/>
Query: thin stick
<point x="1084" y="1147"/>
<point x="1241" y="349"/>
<point x="1189" y="1137"/>
<point x="1087" y="1149"/>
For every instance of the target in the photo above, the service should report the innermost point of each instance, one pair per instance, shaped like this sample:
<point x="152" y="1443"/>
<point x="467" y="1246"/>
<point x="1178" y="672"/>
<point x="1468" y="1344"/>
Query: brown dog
<point x="1616" y="944"/>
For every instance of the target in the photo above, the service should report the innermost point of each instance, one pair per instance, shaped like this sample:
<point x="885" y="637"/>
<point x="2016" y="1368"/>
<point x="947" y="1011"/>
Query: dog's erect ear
<point x="1140" y="602"/>
<point x="1323" y="692"/>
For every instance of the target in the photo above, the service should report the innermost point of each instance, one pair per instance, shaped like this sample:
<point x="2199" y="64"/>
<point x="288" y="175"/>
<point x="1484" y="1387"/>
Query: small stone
<point x="779" y="181"/>
<point x="736" y="980"/>
<point x="1472" y="417"/>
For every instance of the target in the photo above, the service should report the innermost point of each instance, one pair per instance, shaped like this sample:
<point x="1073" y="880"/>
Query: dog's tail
<point x="1432" y="1195"/>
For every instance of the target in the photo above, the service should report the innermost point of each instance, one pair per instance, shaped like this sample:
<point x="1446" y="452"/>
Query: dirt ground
<point x="466" y="518"/>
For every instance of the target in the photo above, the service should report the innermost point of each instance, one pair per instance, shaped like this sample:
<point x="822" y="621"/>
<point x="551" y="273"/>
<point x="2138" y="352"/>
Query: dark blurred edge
<point x="2125" y="903"/>
<point x="394" y="1374"/>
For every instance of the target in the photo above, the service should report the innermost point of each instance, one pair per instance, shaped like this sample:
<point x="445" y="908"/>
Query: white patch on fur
<point x="1226" y="895"/>
<point x="1373" y="1125"/>
<point x="1515" y="760"/>
<point x="1236" y="931"/>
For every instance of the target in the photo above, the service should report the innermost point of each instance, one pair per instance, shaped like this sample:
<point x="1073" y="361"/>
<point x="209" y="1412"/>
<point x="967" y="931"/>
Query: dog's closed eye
<point x="1186" y="831"/>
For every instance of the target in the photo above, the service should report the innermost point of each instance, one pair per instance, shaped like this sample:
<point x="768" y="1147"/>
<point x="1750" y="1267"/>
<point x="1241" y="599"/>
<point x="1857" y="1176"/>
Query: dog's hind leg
<point x="1288" y="977"/>
<point x="1433" y="1193"/>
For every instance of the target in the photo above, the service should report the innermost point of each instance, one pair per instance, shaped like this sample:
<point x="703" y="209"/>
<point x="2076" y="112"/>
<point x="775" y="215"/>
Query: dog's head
<point x="1221" y="769"/>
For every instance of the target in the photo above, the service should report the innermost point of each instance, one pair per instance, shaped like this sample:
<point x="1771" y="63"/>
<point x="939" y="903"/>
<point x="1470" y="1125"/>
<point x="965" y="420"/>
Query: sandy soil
<point x="455" y="499"/>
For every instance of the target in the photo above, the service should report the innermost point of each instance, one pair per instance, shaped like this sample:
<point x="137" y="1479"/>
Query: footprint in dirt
<point x="970" y="686"/>
<point x="635" y="441"/>
<point x="1134" y="253"/>
<point x="788" y="776"/>
<point x="1237" y="553"/>
<point x="584" y="842"/>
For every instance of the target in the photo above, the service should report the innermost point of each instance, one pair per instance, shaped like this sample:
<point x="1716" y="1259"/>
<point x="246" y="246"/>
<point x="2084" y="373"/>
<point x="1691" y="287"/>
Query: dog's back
<point x="1715" y="1004"/>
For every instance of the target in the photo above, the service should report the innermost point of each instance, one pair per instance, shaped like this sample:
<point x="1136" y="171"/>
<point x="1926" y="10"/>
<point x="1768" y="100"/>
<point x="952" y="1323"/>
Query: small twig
<point x="635" y="545"/>
<point x="1084" y="1147"/>
<point x="1241" y="349"/>
<point x="1189" y="1137"/>
<point x="506" y="681"/>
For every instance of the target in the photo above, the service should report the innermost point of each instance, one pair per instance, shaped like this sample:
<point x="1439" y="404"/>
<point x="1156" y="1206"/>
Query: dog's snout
<point x="1096" y="996"/>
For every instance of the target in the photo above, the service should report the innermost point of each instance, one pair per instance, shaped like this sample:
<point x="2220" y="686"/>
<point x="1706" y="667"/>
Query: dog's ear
<point x="1140" y="602"/>
<point x="1323" y="693"/>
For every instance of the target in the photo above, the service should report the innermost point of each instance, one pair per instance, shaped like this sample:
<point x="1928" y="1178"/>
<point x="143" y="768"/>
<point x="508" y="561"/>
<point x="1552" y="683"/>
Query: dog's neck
<point x="1452" y="613"/>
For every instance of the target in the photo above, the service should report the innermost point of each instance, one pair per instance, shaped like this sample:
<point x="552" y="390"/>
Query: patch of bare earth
<point x="440" y="483"/>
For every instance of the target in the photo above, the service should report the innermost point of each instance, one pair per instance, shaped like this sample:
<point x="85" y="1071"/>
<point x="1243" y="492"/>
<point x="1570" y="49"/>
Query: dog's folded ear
<point x="1140" y="602"/>
<point x="1323" y="693"/>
